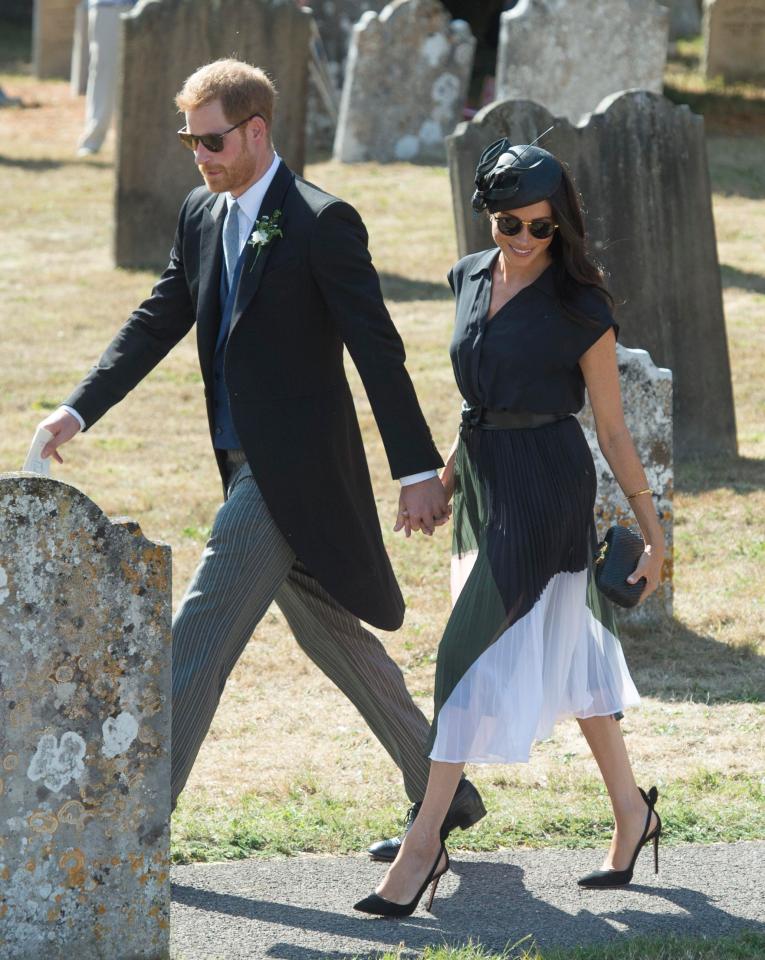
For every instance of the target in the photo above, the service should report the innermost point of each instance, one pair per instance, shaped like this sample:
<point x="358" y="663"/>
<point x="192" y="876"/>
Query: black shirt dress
<point x="529" y="639"/>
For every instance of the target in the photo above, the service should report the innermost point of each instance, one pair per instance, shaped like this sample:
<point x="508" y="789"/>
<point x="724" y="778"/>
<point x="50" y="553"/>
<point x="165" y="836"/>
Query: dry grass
<point x="61" y="300"/>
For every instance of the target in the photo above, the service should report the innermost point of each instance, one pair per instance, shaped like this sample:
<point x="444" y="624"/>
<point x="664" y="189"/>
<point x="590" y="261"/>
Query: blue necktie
<point x="225" y="431"/>
<point x="231" y="241"/>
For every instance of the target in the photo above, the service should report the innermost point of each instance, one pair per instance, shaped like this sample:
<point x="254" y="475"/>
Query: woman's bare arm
<point x="601" y="375"/>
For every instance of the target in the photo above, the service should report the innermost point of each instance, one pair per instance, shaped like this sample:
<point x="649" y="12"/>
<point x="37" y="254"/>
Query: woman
<point x="530" y="639"/>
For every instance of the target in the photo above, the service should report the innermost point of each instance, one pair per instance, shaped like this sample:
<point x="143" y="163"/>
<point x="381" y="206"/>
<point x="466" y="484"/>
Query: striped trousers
<point x="247" y="564"/>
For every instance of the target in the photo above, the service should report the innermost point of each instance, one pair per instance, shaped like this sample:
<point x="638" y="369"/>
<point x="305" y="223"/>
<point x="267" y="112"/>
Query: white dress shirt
<point x="249" y="208"/>
<point x="251" y="200"/>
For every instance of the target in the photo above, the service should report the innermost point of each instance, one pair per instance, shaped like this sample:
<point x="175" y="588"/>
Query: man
<point x="277" y="275"/>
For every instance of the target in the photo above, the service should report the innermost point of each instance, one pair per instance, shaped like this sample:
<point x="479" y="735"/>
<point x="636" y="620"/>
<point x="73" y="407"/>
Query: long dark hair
<point x="573" y="267"/>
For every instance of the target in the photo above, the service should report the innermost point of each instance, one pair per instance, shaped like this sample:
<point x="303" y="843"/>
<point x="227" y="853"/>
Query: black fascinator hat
<point x="514" y="176"/>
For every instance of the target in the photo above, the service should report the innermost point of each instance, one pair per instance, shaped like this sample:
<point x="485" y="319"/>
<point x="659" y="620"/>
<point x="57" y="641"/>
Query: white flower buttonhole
<point x="266" y="230"/>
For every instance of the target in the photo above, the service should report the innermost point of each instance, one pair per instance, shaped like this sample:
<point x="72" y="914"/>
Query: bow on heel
<point x="620" y="878"/>
<point x="381" y="907"/>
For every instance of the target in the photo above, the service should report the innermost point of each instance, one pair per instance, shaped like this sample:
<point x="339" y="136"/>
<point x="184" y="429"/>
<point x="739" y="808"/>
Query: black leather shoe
<point x="606" y="879"/>
<point x="466" y="809"/>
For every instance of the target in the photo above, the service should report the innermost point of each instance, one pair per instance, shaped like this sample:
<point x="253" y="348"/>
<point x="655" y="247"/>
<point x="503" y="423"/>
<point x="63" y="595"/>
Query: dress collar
<point x="485" y="264"/>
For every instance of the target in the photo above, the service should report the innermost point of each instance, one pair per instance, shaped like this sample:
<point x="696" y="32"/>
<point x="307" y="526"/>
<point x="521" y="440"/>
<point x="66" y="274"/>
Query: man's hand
<point x="422" y="506"/>
<point x="63" y="426"/>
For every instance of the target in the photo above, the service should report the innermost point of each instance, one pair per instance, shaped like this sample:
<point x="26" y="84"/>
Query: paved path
<point x="300" y="908"/>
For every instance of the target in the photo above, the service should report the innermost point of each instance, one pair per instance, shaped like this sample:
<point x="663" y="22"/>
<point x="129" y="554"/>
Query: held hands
<point x="63" y="426"/>
<point x="649" y="566"/>
<point x="422" y="506"/>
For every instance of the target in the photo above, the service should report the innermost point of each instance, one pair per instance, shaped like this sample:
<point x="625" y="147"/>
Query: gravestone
<point x="570" y="54"/>
<point x="640" y="164"/>
<point x="684" y="18"/>
<point x="52" y="31"/>
<point x="334" y="20"/>
<point x="647" y="400"/>
<point x="84" y="729"/>
<point x="78" y="79"/>
<point x="734" y="40"/>
<point x="164" y="42"/>
<point x="405" y="84"/>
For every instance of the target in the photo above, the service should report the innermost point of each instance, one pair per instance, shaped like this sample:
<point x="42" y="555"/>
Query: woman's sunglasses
<point x="210" y="141"/>
<point x="511" y="226"/>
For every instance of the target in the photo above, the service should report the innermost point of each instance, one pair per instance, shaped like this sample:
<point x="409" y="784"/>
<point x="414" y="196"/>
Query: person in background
<point x="104" y="54"/>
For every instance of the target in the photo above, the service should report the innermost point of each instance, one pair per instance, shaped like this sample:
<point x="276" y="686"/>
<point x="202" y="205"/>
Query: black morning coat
<point x="306" y="295"/>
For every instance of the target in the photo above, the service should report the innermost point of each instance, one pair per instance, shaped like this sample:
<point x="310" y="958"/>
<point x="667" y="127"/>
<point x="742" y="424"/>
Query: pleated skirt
<point x="530" y="640"/>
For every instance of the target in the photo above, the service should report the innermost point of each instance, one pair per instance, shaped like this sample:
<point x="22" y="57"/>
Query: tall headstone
<point x="335" y="20"/>
<point x="84" y="729"/>
<point x="647" y="399"/>
<point x="405" y="84"/>
<point x="640" y="164"/>
<point x="734" y="40"/>
<point x="684" y="18"/>
<point x="52" y="31"/>
<point x="164" y="41"/>
<point x="570" y="54"/>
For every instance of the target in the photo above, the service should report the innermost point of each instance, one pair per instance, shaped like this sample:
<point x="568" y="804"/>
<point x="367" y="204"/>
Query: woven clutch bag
<point x="618" y="555"/>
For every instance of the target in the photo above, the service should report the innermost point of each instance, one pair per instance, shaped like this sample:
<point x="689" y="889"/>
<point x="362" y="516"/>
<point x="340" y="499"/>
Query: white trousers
<point x="103" y="74"/>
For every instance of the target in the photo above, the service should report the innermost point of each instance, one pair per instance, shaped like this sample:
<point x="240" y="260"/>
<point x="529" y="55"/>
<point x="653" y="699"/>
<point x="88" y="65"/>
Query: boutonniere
<point x="266" y="230"/>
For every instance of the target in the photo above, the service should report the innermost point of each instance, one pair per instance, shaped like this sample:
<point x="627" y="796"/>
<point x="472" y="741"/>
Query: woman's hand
<point x="447" y="479"/>
<point x="649" y="567"/>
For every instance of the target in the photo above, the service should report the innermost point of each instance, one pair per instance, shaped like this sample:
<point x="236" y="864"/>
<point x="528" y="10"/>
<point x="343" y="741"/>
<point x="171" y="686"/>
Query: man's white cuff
<point x="417" y="477"/>
<point x="74" y="413"/>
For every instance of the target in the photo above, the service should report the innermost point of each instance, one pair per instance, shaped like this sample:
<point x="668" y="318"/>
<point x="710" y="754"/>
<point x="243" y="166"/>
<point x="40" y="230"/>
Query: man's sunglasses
<point x="210" y="141"/>
<point x="511" y="226"/>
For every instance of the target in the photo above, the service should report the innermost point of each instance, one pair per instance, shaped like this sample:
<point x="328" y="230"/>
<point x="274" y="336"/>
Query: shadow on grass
<point x="43" y="164"/>
<point x="723" y="112"/>
<point x="742" y="279"/>
<point x="403" y="289"/>
<point x="672" y="662"/>
<point x="740" y="474"/>
<point x="477" y="911"/>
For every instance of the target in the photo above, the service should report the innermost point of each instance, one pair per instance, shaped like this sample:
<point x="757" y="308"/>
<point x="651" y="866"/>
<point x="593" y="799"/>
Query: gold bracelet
<point x="639" y="493"/>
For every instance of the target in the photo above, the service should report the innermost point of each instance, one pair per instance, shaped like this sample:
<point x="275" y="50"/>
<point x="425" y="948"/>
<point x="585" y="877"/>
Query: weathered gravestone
<point x="684" y="18"/>
<point x="647" y="398"/>
<point x="569" y="54"/>
<point x="640" y="164"/>
<point x="335" y="20"/>
<point x="164" y="42"/>
<point x="734" y="39"/>
<point x="405" y="84"/>
<point x="52" y="31"/>
<point x="84" y="729"/>
<point x="78" y="77"/>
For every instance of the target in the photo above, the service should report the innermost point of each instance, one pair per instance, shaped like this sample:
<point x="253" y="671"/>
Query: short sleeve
<point x="597" y="319"/>
<point x="450" y="278"/>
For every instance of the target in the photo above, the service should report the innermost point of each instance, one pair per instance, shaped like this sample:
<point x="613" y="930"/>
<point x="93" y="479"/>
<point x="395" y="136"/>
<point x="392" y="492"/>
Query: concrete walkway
<point x="300" y="908"/>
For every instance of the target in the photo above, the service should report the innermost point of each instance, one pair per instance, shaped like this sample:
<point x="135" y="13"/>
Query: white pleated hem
<point x="557" y="661"/>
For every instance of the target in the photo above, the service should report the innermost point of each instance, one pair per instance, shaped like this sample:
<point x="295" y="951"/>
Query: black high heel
<point x="381" y="907"/>
<point x="602" y="879"/>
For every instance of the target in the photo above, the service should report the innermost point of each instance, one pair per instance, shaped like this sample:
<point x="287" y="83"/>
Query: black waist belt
<point x="506" y="419"/>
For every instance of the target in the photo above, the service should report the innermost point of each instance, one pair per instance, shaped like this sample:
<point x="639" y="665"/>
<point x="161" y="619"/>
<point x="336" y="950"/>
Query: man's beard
<point x="236" y="173"/>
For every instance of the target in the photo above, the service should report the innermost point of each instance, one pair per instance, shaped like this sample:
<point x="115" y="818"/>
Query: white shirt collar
<point x="251" y="200"/>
